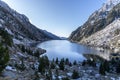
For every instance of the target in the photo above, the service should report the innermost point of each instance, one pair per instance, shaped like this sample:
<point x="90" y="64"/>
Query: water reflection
<point x="66" y="49"/>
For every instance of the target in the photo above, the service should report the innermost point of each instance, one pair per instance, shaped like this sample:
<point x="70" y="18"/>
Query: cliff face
<point x="97" y="21"/>
<point x="19" y="25"/>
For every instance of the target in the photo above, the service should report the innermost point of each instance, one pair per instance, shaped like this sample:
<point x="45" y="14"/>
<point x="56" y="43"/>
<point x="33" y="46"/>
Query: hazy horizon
<point x="59" y="17"/>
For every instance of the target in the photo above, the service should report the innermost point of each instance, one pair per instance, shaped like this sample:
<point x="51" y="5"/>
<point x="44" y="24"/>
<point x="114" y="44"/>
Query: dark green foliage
<point x="89" y="62"/>
<point x="49" y="75"/>
<point x="43" y="64"/>
<point x="106" y="65"/>
<point x="70" y="64"/>
<point x="29" y="51"/>
<point x="75" y="62"/>
<point x="61" y="65"/>
<point x="36" y="76"/>
<point x="4" y="57"/>
<point x="41" y="67"/>
<point x="6" y="38"/>
<point x="84" y="63"/>
<point x="118" y="68"/>
<point x="113" y="65"/>
<point x="20" y="66"/>
<point x="53" y="60"/>
<point x="102" y="69"/>
<point x="23" y="48"/>
<point x="65" y="78"/>
<point x="57" y="74"/>
<point x="67" y="61"/>
<point x="75" y="75"/>
<point x="56" y="61"/>
<point x="46" y="61"/>
<point x="37" y="54"/>
<point x="52" y="65"/>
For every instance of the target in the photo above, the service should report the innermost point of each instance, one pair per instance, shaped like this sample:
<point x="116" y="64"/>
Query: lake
<point x="67" y="49"/>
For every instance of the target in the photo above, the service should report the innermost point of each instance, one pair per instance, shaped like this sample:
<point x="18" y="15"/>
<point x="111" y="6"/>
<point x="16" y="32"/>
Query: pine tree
<point x="56" y="61"/>
<point x="4" y="57"/>
<point x="61" y="65"/>
<point x="6" y="37"/>
<point x="52" y="65"/>
<point x="57" y="74"/>
<point x="23" y="48"/>
<point x="36" y="76"/>
<point x="75" y="75"/>
<point x="50" y="74"/>
<point x="53" y="60"/>
<point x="75" y="62"/>
<point x="106" y="65"/>
<point x="70" y="64"/>
<point x="118" y="69"/>
<point x="37" y="54"/>
<point x="102" y="69"/>
<point x="66" y="78"/>
<point x="46" y="61"/>
<point x="22" y="64"/>
<point x="43" y="64"/>
<point x="41" y="67"/>
<point x="67" y="61"/>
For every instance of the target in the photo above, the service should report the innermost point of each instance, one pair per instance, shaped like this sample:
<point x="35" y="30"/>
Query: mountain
<point x="109" y="36"/>
<point x="51" y="35"/>
<point x="19" y="26"/>
<point x="97" y="21"/>
<point x="19" y="55"/>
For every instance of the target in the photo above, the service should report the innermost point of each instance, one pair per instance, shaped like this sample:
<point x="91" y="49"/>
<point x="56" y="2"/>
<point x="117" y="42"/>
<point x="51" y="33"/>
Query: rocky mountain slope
<point x="19" y="25"/>
<point x="97" y="21"/>
<point x="108" y="37"/>
<point x="18" y="56"/>
<point x="51" y="35"/>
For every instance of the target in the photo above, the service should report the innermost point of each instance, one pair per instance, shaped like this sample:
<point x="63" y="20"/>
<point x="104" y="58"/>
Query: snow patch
<point x="69" y="74"/>
<point x="20" y="54"/>
<point x="9" y="31"/>
<point x="10" y="68"/>
<point x="17" y="41"/>
<point x="113" y="78"/>
<point x="2" y="21"/>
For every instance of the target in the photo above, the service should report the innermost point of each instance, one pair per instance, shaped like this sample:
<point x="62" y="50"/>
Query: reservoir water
<point x="66" y="49"/>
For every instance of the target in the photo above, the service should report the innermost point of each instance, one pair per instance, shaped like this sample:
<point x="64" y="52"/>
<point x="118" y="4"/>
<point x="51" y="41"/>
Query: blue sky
<point x="60" y="17"/>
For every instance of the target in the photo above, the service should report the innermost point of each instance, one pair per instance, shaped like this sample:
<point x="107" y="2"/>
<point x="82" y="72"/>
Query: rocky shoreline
<point x="23" y="58"/>
<point x="23" y="65"/>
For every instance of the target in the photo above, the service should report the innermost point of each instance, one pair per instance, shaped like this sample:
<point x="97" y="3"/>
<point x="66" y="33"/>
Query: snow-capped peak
<point x="109" y="5"/>
<point x="113" y="2"/>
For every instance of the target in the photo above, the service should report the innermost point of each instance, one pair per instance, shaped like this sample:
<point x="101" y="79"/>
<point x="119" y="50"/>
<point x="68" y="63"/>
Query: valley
<point x="91" y="52"/>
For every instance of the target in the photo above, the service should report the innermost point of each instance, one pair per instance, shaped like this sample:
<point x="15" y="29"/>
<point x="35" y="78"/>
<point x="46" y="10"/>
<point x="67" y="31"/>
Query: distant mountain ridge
<point x="51" y="35"/>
